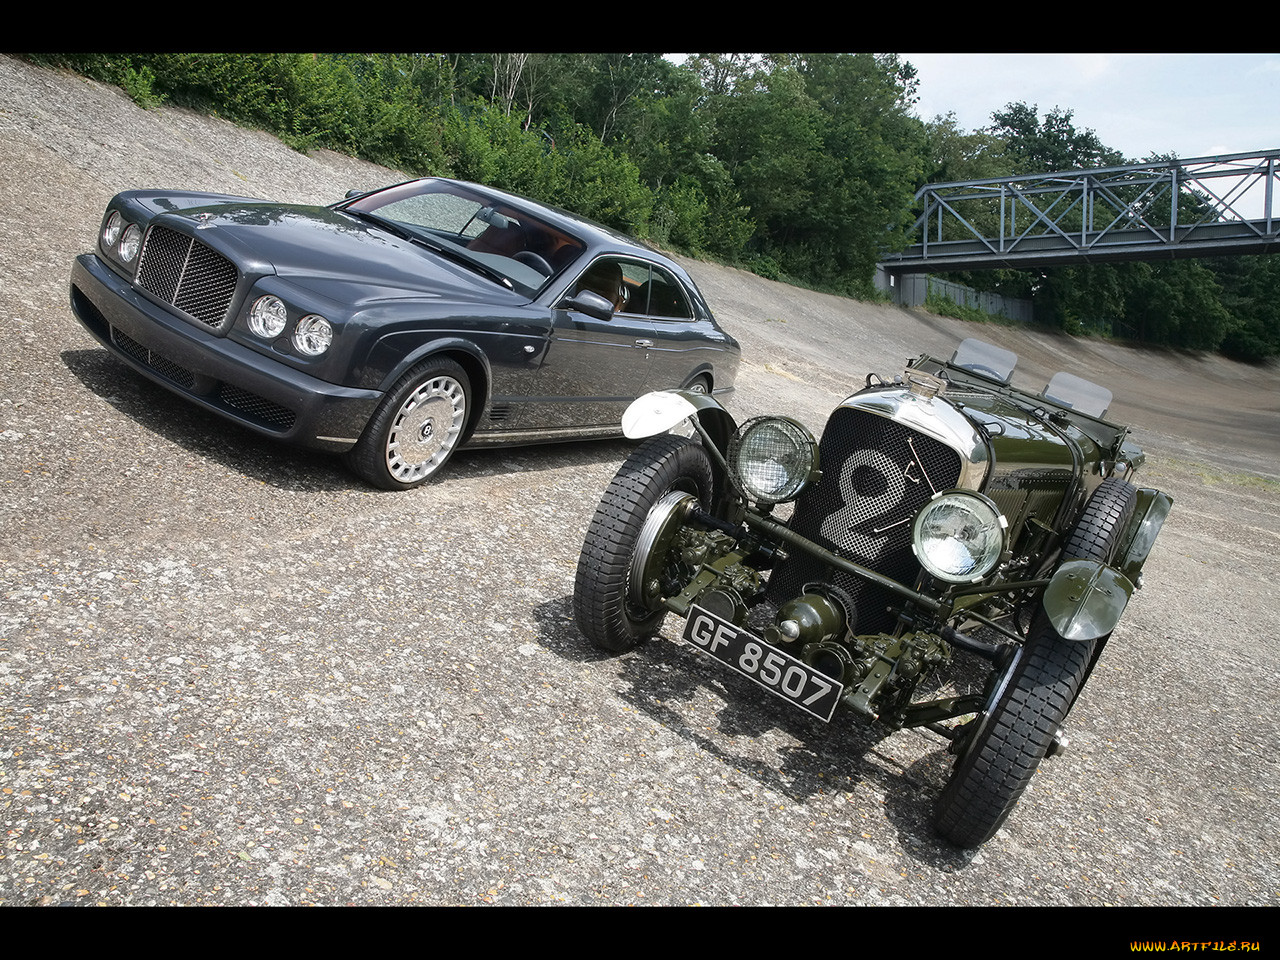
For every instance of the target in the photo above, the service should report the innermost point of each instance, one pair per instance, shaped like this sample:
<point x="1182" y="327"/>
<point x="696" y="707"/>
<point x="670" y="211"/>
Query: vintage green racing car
<point x="943" y="511"/>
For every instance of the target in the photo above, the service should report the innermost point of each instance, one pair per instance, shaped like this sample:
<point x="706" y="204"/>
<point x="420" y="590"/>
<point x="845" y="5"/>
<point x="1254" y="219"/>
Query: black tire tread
<point x="1097" y="532"/>
<point x="657" y="466"/>
<point x="992" y="776"/>
<point x="996" y="768"/>
<point x="367" y="458"/>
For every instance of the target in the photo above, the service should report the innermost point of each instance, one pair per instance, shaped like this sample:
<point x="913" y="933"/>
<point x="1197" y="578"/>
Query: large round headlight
<point x="267" y="317"/>
<point x="130" y="242"/>
<point x="313" y="335"/>
<point x="111" y="229"/>
<point x="959" y="536"/>
<point x="771" y="459"/>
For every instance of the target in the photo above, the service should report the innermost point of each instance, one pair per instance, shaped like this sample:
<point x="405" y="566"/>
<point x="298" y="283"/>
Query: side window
<point x="605" y="277"/>
<point x="636" y="288"/>
<point x="667" y="299"/>
<point x="634" y="277"/>
<point x="653" y="292"/>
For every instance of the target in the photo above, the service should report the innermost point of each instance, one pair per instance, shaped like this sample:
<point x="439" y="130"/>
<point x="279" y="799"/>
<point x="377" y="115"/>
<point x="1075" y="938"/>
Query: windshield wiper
<point x="408" y="233"/>
<point x="389" y="225"/>
<point x="412" y="236"/>
<point x="457" y="256"/>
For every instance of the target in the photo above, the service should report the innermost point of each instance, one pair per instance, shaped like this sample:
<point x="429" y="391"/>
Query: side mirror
<point x="590" y="303"/>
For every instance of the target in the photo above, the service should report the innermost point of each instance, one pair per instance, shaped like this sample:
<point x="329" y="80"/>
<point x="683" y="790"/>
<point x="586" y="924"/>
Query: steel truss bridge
<point x="1203" y="207"/>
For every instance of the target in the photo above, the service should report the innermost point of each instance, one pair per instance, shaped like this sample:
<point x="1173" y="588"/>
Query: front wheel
<point x="1029" y="700"/>
<point x="625" y="561"/>
<point x="1023" y="721"/>
<point x="415" y="429"/>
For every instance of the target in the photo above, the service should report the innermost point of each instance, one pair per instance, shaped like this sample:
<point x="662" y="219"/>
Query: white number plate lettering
<point x="780" y="673"/>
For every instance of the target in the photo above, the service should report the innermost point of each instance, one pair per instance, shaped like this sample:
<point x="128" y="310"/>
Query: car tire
<point x="1029" y="700"/>
<point x="662" y="479"/>
<point x="1097" y="532"/>
<point x="415" y="429"/>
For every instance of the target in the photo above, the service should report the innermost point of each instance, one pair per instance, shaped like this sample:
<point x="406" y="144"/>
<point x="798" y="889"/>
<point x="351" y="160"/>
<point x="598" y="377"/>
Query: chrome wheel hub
<point x="650" y="557"/>
<point x="426" y="429"/>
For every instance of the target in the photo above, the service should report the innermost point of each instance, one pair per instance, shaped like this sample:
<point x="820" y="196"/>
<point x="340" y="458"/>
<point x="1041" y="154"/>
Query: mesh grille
<point x="257" y="408"/>
<point x="876" y="476"/>
<point x="182" y="271"/>
<point x="157" y="362"/>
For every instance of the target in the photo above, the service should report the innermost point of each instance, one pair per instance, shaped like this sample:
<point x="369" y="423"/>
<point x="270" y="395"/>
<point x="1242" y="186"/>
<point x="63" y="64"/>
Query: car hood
<point x="995" y="437"/>
<point x="336" y="254"/>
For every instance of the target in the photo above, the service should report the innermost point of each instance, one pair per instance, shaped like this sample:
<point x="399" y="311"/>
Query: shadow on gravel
<point x="662" y="678"/>
<point x="287" y="467"/>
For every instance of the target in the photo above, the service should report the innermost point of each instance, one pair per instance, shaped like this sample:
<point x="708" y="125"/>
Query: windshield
<point x="509" y="245"/>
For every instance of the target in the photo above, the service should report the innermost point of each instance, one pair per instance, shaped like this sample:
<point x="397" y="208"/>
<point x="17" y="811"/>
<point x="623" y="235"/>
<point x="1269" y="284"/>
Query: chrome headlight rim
<point x="268" y="316"/>
<point x="772" y="459"/>
<point x="968" y="554"/>
<point x="130" y="243"/>
<point x="112" y="228"/>
<point x="313" y="335"/>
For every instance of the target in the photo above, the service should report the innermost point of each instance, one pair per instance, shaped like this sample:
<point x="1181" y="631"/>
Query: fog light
<point x="313" y="335"/>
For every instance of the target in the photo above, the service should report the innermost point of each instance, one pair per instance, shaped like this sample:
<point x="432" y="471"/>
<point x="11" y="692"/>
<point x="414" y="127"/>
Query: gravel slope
<point x="230" y="674"/>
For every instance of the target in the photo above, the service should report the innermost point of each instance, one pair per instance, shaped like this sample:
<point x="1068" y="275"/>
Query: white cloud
<point x="1140" y="104"/>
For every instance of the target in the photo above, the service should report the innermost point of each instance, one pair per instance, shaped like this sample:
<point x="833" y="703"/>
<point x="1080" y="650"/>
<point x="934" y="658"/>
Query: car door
<point x="680" y="342"/>
<point x="595" y="367"/>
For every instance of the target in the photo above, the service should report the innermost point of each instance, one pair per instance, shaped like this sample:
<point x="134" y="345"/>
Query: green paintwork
<point x="1036" y="459"/>
<point x="1148" y="517"/>
<point x="1085" y="599"/>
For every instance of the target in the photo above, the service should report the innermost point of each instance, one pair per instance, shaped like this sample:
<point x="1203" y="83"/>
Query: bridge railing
<point x="1193" y="207"/>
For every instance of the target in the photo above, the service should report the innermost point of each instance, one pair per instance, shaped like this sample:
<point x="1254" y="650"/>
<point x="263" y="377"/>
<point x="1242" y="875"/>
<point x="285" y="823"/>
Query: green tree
<point x="1049" y="144"/>
<point x="873" y="152"/>
<point x="1249" y="286"/>
<point x="824" y="154"/>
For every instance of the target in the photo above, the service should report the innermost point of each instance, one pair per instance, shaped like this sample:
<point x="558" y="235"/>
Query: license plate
<point x="780" y="673"/>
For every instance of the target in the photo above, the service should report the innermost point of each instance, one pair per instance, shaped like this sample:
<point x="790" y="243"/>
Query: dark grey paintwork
<point x="539" y="370"/>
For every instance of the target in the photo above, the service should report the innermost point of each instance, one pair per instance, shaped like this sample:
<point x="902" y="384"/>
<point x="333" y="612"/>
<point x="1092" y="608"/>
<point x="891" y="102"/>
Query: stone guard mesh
<point x="875" y="475"/>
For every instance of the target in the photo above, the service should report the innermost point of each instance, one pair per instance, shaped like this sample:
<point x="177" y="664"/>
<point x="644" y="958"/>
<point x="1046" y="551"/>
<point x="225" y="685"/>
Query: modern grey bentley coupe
<point x="398" y="325"/>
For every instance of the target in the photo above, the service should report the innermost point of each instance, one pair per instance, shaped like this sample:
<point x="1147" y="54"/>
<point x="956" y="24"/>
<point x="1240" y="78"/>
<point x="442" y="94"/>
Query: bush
<point x="138" y="85"/>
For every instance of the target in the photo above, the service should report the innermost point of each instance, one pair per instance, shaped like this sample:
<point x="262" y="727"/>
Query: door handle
<point x="644" y="343"/>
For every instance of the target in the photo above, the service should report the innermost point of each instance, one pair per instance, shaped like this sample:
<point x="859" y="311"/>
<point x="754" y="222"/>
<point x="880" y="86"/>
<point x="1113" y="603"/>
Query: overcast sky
<point x="1192" y="105"/>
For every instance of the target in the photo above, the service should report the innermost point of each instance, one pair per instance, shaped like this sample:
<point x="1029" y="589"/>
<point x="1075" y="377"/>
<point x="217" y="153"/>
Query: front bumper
<point x="213" y="372"/>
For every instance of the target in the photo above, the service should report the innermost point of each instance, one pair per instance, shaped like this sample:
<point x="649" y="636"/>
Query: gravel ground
<point x="231" y="674"/>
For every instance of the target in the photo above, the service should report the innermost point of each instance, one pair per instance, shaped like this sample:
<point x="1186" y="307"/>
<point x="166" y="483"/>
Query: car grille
<point x="182" y="271"/>
<point x="157" y="362"/>
<point x="876" y="474"/>
<point x="257" y="408"/>
<point x="248" y="405"/>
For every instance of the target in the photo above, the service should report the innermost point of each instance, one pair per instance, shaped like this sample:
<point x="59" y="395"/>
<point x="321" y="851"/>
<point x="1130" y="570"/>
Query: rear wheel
<point x="1029" y="700"/>
<point x="625" y="554"/>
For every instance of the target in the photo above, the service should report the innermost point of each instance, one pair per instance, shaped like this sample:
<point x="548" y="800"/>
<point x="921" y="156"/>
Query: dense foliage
<point x="798" y="166"/>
